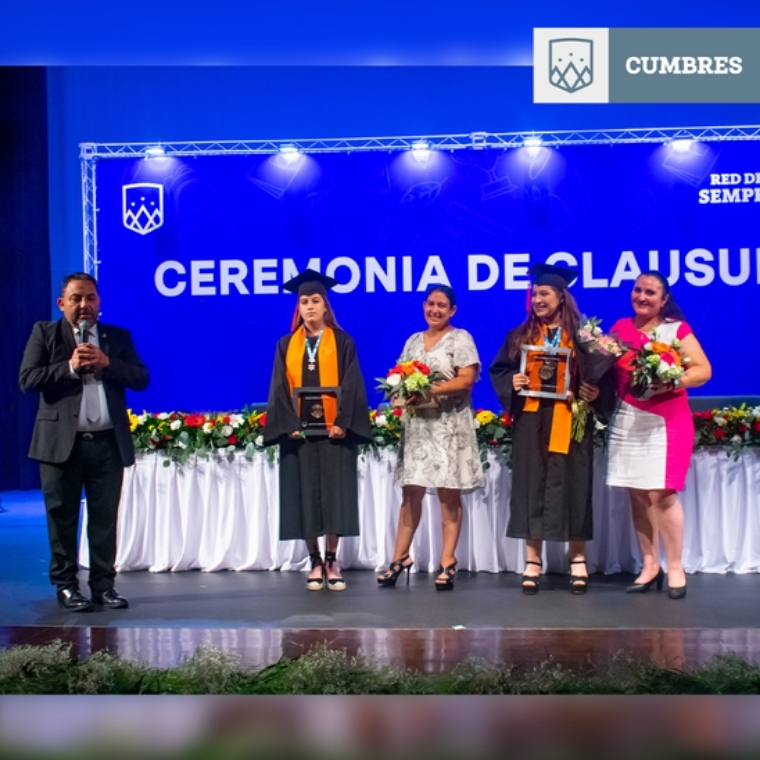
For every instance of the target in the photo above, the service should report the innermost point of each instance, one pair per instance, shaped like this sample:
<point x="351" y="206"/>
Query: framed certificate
<point x="548" y="370"/>
<point x="309" y="405"/>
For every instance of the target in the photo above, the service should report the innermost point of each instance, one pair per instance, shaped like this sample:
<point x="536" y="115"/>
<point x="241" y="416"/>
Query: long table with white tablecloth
<point x="222" y="514"/>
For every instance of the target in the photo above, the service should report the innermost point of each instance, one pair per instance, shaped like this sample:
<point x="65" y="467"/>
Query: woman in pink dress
<point x="651" y="438"/>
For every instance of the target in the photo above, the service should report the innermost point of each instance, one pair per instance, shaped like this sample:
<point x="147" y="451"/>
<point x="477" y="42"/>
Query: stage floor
<point x="265" y="615"/>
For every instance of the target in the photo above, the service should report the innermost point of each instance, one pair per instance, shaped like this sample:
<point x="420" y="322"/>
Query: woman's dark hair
<point x="530" y="329"/>
<point x="670" y="309"/>
<point x="445" y="289"/>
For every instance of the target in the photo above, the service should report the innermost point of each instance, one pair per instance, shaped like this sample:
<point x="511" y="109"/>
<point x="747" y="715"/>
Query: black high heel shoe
<point x="447" y="583"/>
<point x="578" y="583"/>
<point x="642" y="588"/>
<point x="316" y="584"/>
<point x="531" y="583"/>
<point x="676" y="592"/>
<point x="334" y="584"/>
<point x="390" y="576"/>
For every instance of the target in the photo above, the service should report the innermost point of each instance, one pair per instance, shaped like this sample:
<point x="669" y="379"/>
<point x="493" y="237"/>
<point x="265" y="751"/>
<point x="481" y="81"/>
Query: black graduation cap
<point x="309" y="282"/>
<point x="551" y="274"/>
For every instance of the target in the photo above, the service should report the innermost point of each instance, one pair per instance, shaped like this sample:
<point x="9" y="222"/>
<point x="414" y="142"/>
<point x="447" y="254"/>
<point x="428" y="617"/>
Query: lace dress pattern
<point x="438" y="446"/>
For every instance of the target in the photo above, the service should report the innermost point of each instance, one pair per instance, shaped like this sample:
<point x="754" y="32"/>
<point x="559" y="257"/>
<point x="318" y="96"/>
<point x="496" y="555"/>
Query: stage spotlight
<point x="533" y="145"/>
<point x="155" y="151"/>
<point x="682" y="144"/>
<point x="289" y="152"/>
<point x="421" y="151"/>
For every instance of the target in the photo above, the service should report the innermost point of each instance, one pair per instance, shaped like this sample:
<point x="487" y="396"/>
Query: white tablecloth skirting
<point x="222" y="514"/>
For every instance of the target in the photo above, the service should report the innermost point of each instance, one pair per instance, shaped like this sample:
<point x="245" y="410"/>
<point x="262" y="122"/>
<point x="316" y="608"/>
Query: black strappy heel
<point x="390" y="576"/>
<point x="447" y="583"/>
<point x="578" y="583"/>
<point x="334" y="584"/>
<point x="531" y="583"/>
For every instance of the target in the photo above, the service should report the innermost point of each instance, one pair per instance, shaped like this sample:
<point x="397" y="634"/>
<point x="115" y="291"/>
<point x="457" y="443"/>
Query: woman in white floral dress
<point x="438" y="449"/>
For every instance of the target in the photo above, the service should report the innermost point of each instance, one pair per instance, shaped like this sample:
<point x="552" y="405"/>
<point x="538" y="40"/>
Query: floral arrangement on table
<point x="596" y="353"/>
<point x="410" y="381"/>
<point x="656" y="362"/>
<point x="736" y="427"/>
<point x="386" y="426"/>
<point x="494" y="433"/>
<point x="178" y="435"/>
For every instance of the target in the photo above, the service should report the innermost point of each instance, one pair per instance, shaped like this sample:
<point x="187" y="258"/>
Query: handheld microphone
<point x="84" y="330"/>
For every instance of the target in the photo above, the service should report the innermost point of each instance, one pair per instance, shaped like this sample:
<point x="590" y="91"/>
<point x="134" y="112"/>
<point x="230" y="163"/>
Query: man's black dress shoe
<point x="72" y="600"/>
<point x="110" y="598"/>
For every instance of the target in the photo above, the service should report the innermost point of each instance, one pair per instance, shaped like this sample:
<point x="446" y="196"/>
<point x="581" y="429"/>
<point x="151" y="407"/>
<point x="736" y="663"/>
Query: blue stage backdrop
<point x="194" y="251"/>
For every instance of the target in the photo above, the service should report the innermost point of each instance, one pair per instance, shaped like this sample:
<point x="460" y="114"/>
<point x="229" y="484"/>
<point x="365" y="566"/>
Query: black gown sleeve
<point x="282" y="419"/>
<point x="353" y="414"/>
<point x="502" y="369"/>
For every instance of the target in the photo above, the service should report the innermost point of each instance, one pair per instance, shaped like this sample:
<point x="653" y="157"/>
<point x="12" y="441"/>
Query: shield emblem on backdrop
<point x="142" y="206"/>
<point x="571" y="63"/>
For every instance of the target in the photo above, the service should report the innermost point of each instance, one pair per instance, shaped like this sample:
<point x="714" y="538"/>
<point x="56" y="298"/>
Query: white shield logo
<point x="142" y="206"/>
<point x="571" y="63"/>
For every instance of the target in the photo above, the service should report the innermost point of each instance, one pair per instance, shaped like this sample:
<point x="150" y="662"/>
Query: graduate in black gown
<point x="551" y="473"/>
<point x="319" y="434"/>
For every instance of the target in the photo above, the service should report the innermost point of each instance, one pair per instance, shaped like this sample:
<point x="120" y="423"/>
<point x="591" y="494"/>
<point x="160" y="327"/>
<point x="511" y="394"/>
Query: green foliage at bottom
<point x="54" y="669"/>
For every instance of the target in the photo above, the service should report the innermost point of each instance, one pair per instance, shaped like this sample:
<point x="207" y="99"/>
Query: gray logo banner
<point x="684" y="65"/>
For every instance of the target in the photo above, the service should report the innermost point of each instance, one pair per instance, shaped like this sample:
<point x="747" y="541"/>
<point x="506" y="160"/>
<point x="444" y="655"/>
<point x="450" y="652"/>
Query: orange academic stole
<point x="328" y="367"/>
<point x="562" y="417"/>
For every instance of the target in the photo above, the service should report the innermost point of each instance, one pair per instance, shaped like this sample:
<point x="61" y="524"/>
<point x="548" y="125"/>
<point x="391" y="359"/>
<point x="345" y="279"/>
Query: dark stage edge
<point x="262" y="616"/>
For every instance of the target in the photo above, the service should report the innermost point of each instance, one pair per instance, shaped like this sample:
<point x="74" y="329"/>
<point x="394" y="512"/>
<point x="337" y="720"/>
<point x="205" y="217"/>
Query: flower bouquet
<point x="386" y="426"/>
<point x="733" y="427"/>
<point x="493" y="433"/>
<point x="656" y="363"/>
<point x="179" y="435"/>
<point x="595" y="354"/>
<point x="411" y="381"/>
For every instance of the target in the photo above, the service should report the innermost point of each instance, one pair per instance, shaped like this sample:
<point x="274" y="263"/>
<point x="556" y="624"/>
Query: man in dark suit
<point x="82" y="368"/>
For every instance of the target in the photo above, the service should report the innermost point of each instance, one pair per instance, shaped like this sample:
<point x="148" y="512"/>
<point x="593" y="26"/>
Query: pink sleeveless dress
<point x="651" y="439"/>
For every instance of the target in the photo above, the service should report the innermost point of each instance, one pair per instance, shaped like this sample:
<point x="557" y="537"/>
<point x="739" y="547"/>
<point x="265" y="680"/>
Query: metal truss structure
<point x="91" y="153"/>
